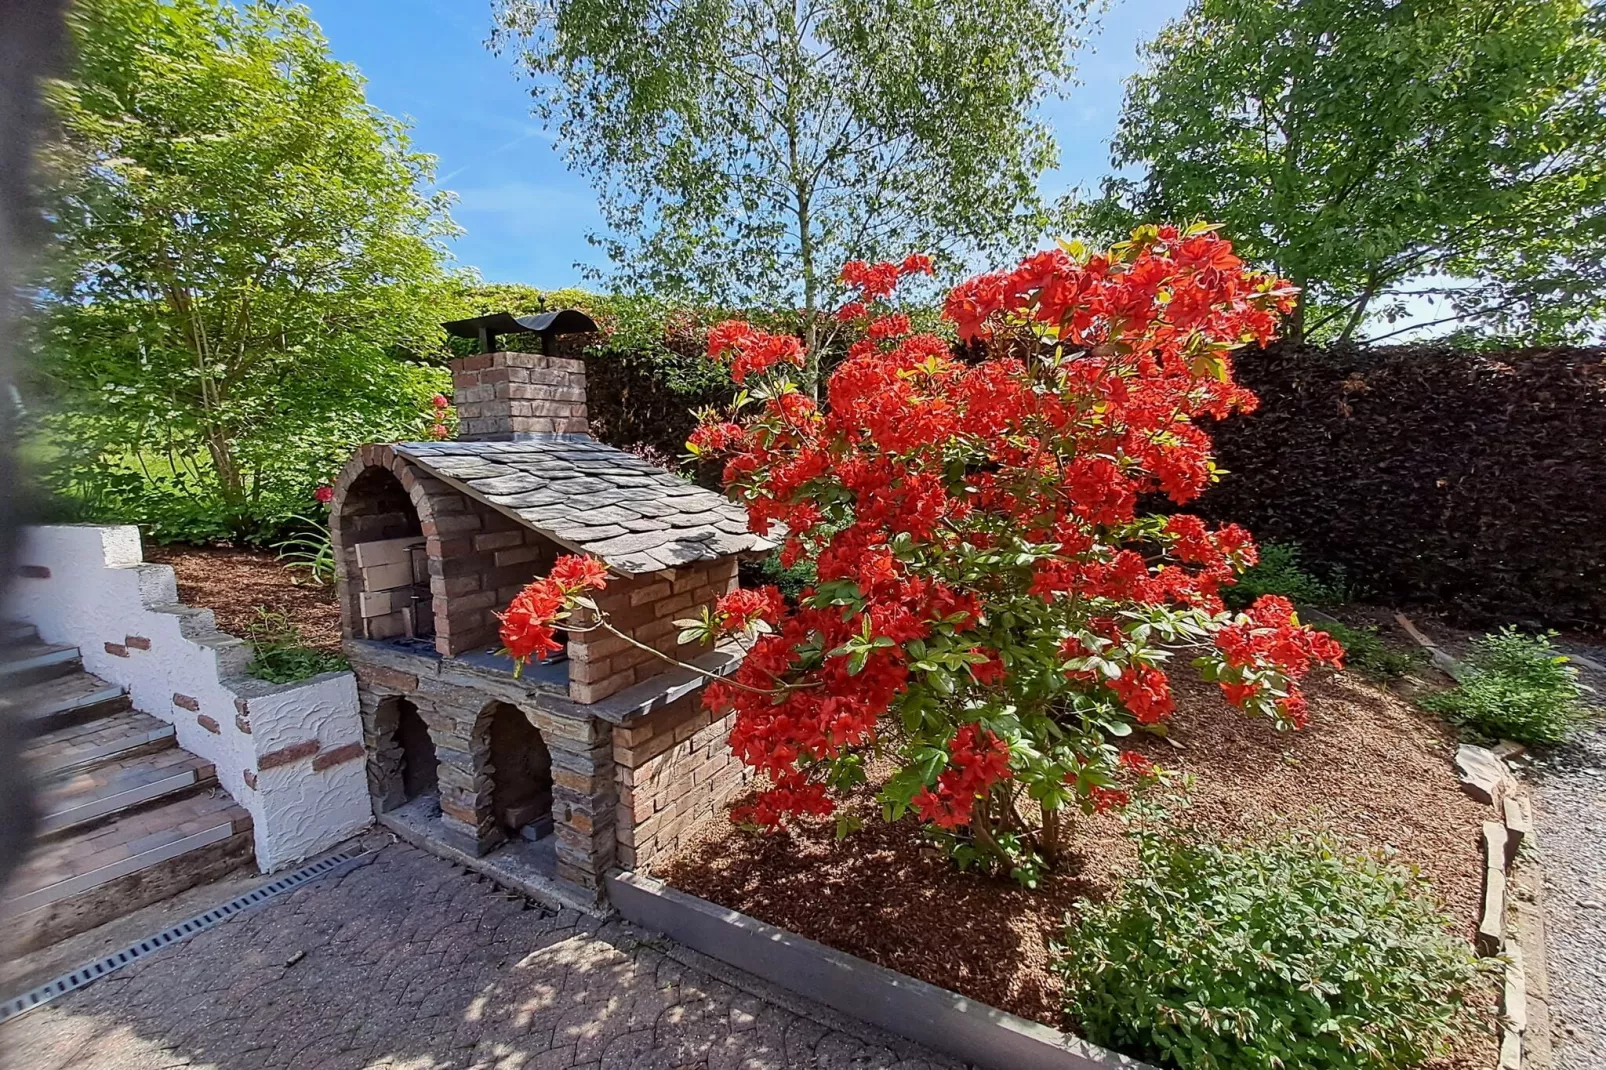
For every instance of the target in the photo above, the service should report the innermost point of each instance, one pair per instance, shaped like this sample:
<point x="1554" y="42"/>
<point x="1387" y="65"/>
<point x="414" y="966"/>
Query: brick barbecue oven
<point x="597" y="758"/>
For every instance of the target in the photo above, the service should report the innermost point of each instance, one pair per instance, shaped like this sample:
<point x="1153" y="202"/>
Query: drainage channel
<point x="94" y="971"/>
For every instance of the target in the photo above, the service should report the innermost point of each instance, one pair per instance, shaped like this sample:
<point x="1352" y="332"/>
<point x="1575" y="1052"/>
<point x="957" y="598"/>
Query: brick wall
<point x="644" y="607"/>
<point x="674" y="769"/>
<point x="478" y="560"/>
<point x="499" y="395"/>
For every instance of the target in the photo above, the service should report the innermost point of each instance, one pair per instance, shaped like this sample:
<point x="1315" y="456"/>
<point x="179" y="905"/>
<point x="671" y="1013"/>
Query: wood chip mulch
<point x="233" y="583"/>
<point x="1370" y="766"/>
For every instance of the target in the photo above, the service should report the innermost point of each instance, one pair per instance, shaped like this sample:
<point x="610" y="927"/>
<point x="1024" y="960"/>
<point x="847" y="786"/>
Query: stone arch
<point x="403" y="765"/>
<point x="518" y="765"/>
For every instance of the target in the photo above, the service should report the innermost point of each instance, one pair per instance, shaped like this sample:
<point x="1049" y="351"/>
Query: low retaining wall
<point x="926" y="1014"/>
<point x="290" y="754"/>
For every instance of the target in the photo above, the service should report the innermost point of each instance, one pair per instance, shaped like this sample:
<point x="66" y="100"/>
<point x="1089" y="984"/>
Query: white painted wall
<point x="100" y="591"/>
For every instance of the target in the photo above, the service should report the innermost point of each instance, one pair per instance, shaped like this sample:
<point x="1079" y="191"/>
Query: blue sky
<point x="525" y="217"/>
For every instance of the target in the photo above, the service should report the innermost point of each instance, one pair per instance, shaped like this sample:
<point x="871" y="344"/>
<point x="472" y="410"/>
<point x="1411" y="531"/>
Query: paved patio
<point x="408" y="963"/>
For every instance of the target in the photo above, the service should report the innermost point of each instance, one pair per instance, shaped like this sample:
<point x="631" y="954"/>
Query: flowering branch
<point x="530" y="623"/>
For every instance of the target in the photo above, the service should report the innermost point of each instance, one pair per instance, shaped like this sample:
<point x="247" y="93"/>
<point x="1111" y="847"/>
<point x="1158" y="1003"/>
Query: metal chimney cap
<point x="487" y="328"/>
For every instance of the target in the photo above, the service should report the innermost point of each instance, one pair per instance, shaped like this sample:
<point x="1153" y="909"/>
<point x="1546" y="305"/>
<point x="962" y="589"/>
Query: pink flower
<point x="439" y="401"/>
<point x="324" y="494"/>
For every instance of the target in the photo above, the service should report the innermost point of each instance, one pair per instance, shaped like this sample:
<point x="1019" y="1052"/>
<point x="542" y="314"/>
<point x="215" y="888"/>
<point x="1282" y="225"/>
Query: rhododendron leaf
<point x="846" y="825"/>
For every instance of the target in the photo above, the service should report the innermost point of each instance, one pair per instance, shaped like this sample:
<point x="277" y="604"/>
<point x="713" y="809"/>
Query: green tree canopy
<point x="744" y="149"/>
<point x="1372" y="150"/>
<point x="245" y="248"/>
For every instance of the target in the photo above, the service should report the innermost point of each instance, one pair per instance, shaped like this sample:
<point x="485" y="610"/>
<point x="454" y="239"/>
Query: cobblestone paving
<point x="407" y="963"/>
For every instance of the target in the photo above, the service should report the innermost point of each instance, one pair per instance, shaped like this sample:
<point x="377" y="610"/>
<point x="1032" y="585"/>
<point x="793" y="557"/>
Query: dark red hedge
<point x="1472" y="481"/>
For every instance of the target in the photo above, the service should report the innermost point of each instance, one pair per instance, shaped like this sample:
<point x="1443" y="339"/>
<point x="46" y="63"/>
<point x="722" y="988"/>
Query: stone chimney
<point x="501" y="397"/>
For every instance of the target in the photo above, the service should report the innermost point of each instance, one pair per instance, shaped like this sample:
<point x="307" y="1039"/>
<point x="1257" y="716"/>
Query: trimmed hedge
<point x="1474" y="481"/>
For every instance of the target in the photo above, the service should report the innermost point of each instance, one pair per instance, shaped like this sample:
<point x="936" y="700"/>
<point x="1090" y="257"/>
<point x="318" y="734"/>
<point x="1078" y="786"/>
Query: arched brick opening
<point x="381" y="550"/>
<point x="403" y="765"/>
<point x="520" y="767"/>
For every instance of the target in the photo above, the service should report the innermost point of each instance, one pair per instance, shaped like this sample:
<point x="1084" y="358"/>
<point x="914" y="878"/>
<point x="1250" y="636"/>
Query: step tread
<point x="131" y="781"/>
<point x="124" y="845"/>
<point x="16" y="631"/>
<point x="104" y="739"/>
<point x="57" y="695"/>
<point x="22" y="655"/>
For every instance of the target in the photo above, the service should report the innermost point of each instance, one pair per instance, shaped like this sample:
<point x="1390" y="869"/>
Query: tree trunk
<point x="1295" y="330"/>
<point x="1050" y="840"/>
<point x="231" y="481"/>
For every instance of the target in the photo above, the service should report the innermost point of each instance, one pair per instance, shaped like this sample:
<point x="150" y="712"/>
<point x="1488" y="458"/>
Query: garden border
<point x="932" y="1016"/>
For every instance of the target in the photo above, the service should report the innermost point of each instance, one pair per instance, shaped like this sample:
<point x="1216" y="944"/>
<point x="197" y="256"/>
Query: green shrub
<point x="1517" y="688"/>
<point x="1367" y="654"/>
<point x="280" y="655"/>
<point x="1270" y="953"/>
<point x="1281" y="571"/>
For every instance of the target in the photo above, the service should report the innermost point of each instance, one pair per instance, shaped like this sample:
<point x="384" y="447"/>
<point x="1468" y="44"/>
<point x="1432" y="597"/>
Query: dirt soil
<point x="1370" y="766"/>
<point x="233" y="583"/>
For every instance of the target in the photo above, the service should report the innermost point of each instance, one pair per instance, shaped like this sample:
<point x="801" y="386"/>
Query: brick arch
<point x="435" y="510"/>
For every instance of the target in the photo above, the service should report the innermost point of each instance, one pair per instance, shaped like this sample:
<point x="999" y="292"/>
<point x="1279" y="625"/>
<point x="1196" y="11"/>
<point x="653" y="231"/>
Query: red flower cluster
<point x="737" y="610"/>
<point x="528" y="623"/>
<point x="975" y="526"/>
<point x="752" y="350"/>
<point x="324" y="494"/>
<point x="875" y="282"/>
<point x="977" y="760"/>
<point x="1266" y="652"/>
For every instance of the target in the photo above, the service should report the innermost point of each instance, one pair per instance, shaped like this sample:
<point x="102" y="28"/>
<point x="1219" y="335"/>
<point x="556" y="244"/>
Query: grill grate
<point x="94" y="971"/>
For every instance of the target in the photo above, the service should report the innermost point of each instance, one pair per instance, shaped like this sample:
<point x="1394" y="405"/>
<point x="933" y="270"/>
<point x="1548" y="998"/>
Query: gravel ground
<point x="1570" y="819"/>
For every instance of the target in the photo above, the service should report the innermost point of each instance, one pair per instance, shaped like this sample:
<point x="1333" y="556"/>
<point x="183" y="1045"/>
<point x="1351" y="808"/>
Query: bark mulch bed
<point x="235" y="583"/>
<point x="1370" y="766"/>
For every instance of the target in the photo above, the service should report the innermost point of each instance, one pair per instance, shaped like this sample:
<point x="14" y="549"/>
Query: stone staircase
<point x="127" y="817"/>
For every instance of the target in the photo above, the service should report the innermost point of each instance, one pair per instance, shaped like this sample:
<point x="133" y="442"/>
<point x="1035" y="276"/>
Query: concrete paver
<point x="408" y="963"/>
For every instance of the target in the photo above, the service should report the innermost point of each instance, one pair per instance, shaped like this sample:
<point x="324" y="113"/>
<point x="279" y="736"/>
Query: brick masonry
<point x="499" y="395"/>
<point x="458" y="716"/>
<point x="674" y="769"/>
<point x="645" y="608"/>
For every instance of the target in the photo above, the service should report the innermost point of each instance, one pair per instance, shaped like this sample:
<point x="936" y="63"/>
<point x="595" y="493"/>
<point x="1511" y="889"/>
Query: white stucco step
<point x="31" y="662"/>
<point x="76" y="747"/>
<point x="121" y="787"/>
<point x="64" y="701"/>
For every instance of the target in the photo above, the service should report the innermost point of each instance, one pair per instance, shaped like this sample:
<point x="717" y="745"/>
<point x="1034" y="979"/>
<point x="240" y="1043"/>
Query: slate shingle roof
<point x="594" y="498"/>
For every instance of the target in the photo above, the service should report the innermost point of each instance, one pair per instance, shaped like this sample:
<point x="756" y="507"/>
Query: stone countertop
<point x="546" y="684"/>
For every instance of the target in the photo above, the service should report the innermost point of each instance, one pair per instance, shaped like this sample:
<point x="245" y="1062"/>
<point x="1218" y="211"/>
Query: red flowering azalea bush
<point x="992" y="609"/>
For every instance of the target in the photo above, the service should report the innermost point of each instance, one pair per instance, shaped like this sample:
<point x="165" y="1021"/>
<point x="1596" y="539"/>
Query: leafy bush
<point x="1517" y="688"/>
<point x="1367" y="654"/>
<point x="281" y="657"/>
<point x="1282" y="571"/>
<point x="1266" y="954"/>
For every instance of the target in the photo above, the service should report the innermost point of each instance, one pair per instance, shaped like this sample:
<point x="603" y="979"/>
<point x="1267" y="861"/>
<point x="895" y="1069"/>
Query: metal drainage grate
<point x="94" y="971"/>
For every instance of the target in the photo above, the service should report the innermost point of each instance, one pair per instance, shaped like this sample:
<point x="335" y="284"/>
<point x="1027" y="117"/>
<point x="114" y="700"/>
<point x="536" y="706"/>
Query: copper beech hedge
<point x="1472" y="481"/>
